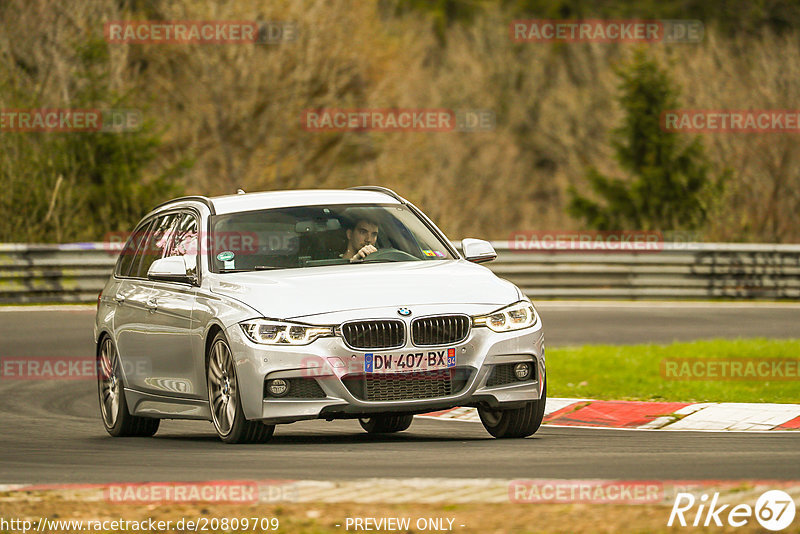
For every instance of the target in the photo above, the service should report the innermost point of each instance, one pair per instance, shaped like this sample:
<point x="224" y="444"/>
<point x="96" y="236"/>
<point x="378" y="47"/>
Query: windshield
<point x="310" y="236"/>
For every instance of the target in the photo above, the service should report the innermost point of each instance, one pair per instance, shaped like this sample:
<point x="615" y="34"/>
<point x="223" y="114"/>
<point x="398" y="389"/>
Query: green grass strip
<point x="638" y="372"/>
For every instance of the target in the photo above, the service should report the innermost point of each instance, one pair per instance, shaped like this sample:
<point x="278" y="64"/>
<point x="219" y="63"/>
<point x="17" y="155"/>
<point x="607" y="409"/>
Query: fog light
<point x="522" y="371"/>
<point x="278" y="387"/>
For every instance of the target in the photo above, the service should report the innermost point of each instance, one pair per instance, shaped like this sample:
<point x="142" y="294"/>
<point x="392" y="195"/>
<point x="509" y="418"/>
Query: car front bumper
<point x="329" y="360"/>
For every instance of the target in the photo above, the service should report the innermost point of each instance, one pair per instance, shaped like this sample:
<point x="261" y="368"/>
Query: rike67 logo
<point x="774" y="510"/>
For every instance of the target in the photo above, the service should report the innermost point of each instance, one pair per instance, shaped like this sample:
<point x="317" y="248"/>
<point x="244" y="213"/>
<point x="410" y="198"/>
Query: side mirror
<point x="478" y="250"/>
<point x="172" y="269"/>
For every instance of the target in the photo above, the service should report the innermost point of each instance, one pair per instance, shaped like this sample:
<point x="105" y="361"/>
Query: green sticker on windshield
<point x="225" y="256"/>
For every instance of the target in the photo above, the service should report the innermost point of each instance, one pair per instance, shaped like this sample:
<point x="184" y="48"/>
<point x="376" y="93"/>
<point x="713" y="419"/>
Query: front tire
<point x="386" y="424"/>
<point x="515" y="423"/>
<point x="117" y="421"/>
<point x="224" y="399"/>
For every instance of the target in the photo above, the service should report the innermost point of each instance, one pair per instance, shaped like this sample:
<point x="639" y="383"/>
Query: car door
<point x="130" y="312"/>
<point x="136" y="337"/>
<point x="174" y="369"/>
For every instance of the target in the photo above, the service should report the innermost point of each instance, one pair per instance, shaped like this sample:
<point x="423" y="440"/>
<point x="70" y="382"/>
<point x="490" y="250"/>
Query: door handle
<point x="119" y="299"/>
<point x="152" y="304"/>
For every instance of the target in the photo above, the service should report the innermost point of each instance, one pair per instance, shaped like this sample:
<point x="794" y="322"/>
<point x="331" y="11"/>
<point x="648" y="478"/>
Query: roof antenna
<point x="240" y="192"/>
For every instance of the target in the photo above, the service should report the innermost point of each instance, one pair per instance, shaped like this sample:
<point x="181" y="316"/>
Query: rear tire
<point x="114" y="413"/>
<point x="386" y="424"/>
<point x="224" y="399"/>
<point x="515" y="423"/>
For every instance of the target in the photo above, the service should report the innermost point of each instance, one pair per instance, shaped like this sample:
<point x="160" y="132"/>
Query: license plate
<point x="407" y="362"/>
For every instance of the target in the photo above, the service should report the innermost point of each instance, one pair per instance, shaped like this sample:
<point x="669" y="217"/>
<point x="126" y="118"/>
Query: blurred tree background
<point x="575" y="143"/>
<point x="669" y="187"/>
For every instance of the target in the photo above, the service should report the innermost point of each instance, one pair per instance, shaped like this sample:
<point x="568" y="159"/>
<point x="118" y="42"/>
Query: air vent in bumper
<point x="503" y="374"/>
<point x="408" y="386"/>
<point x="299" y="388"/>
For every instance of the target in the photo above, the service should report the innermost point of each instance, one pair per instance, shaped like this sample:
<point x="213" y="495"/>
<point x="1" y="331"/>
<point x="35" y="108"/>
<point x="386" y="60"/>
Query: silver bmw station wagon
<point x="252" y="310"/>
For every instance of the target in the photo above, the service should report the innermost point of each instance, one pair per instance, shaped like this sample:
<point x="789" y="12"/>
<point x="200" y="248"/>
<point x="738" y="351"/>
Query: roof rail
<point x="379" y="189"/>
<point x="196" y="198"/>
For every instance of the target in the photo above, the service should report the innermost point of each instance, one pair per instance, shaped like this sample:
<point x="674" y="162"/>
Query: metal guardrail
<point x="54" y="273"/>
<point x="77" y="272"/>
<point x="678" y="271"/>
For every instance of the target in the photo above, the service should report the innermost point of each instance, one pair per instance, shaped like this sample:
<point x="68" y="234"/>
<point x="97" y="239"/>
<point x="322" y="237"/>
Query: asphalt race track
<point x="51" y="432"/>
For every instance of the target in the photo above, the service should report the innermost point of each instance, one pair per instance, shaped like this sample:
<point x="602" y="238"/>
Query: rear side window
<point x="128" y="256"/>
<point x="155" y="245"/>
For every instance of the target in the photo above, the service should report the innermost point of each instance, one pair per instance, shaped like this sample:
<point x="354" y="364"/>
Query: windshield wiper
<point x="256" y="268"/>
<point x="382" y="260"/>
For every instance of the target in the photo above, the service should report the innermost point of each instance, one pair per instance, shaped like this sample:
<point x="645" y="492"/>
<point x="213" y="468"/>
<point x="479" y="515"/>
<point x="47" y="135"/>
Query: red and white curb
<point x="722" y="416"/>
<point x="408" y="490"/>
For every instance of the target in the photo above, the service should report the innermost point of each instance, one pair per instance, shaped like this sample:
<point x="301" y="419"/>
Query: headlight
<point x="277" y="333"/>
<point x="515" y="317"/>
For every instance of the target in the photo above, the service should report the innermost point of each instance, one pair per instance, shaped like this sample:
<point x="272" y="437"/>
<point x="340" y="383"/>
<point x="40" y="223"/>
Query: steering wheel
<point x="389" y="254"/>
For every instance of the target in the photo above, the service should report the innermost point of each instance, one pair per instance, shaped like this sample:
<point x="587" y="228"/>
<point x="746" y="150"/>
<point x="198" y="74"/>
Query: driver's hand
<point x="365" y="251"/>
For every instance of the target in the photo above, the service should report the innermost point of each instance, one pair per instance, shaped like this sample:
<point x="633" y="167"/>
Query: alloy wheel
<point x="222" y="387"/>
<point x="110" y="383"/>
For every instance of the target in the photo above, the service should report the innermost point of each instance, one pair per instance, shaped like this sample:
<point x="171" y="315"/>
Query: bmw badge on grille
<point x="405" y="312"/>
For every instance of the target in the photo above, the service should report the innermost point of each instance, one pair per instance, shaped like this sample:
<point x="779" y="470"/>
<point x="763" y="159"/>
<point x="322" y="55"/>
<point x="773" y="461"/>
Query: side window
<point x="156" y="243"/>
<point x="129" y="256"/>
<point x="185" y="241"/>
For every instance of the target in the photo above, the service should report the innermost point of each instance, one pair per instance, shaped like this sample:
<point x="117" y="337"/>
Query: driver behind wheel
<point x="361" y="239"/>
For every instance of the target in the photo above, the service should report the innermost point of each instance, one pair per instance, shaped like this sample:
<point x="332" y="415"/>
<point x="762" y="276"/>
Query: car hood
<point x="311" y="291"/>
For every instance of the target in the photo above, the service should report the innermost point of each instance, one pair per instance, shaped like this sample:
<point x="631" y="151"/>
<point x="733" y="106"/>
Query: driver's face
<point x="365" y="233"/>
